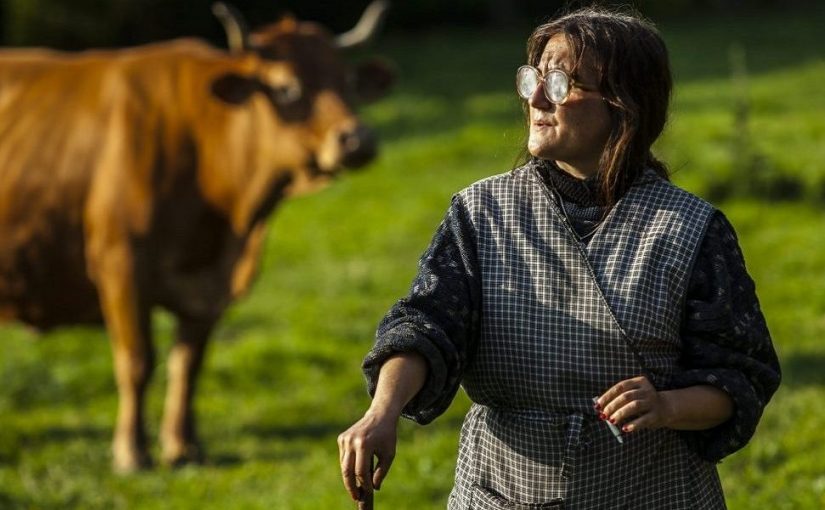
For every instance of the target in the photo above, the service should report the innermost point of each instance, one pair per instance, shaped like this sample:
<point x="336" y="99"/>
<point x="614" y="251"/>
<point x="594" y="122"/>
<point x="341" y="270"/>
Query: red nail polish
<point x="602" y="416"/>
<point x="613" y="421"/>
<point x="625" y="429"/>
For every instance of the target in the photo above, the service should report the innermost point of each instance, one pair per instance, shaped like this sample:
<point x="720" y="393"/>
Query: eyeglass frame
<point x="542" y="82"/>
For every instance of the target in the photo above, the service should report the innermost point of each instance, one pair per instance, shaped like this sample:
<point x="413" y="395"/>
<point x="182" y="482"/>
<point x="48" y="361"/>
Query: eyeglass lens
<point x="527" y="79"/>
<point x="556" y="84"/>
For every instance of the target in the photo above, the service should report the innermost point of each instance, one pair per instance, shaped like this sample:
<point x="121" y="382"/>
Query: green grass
<point x="282" y="377"/>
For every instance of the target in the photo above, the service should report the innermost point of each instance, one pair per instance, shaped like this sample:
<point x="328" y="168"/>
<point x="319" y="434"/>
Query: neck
<point x="579" y="171"/>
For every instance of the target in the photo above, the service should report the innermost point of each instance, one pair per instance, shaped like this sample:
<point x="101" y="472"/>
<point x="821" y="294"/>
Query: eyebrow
<point x="563" y="64"/>
<point x="568" y="65"/>
<point x="574" y="75"/>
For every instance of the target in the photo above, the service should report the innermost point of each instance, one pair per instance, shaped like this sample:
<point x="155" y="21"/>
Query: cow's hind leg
<point x="178" y="433"/>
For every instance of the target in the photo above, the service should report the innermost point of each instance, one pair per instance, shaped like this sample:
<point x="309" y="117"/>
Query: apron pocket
<point x="520" y="459"/>
<point x="484" y="498"/>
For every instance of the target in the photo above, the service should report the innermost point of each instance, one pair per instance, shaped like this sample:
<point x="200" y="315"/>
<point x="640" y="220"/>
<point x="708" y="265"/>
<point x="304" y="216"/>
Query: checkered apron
<point x="563" y="322"/>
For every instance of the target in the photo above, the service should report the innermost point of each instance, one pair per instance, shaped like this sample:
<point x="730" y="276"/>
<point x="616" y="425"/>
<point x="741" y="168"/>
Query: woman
<point x="579" y="290"/>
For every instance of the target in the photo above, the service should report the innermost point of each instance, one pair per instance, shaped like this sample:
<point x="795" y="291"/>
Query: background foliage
<point x="282" y="377"/>
<point x="75" y="24"/>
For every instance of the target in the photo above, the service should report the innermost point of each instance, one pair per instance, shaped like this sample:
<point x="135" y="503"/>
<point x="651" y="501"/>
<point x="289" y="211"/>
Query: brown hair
<point x="631" y="60"/>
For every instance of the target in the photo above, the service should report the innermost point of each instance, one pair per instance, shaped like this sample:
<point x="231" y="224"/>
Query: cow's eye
<point x="352" y="79"/>
<point x="287" y="93"/>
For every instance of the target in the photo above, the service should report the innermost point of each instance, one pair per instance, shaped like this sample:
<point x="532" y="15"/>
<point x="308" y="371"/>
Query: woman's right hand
<point x="373" y="436"/>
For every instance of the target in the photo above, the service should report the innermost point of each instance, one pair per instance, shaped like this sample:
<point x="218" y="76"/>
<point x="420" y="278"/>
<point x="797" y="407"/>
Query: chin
<point x="540" y="152"/>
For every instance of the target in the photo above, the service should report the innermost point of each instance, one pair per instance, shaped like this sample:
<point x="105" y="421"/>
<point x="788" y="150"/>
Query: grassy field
<point x="282" y="377"/>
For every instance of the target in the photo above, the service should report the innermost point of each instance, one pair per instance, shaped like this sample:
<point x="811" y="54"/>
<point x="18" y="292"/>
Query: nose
<point x="358" y="146"/>
<point x="539" y="99"/>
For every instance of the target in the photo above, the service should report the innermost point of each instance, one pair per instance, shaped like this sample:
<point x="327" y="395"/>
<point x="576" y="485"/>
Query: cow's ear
<point x="373" y="79"/>
<point x="234" y="88"/>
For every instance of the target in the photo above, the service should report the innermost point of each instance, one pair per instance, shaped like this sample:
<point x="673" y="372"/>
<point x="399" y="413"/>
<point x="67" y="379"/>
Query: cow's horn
<point x="237" y="33"/>
<point x="366" y="28"/>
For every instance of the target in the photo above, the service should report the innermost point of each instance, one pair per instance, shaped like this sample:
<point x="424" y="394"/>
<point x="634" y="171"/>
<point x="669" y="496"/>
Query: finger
<point x="622" y="400"/>
<point x="619" y="388"/>
<point x="363" y="470"/>
<point x="341" y="448"/>
<point x="630" y="411"/>
<point x="381" y="470"/>
<point x="644" y="421"/>
<point x="348" y="474"/>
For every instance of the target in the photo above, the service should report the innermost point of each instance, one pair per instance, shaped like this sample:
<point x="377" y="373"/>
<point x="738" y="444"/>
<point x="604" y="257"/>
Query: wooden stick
<point x="366" y="501"/>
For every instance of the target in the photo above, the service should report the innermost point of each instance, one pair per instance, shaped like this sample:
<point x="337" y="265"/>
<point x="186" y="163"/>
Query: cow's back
<point x="50" y="120"/>
<point x="56" y="119"/>
<point x="80" y="136"/>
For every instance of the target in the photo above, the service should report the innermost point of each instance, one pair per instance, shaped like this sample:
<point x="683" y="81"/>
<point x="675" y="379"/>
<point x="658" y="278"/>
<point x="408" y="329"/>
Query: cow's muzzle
<point x="358" y="146"/>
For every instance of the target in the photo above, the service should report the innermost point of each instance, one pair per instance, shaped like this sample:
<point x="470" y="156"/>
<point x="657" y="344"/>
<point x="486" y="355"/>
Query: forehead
<point x="303" y="50"/>
<point x="557" y="51"/>
<point x="298" y="41"/>
<point x="296" y="47"/>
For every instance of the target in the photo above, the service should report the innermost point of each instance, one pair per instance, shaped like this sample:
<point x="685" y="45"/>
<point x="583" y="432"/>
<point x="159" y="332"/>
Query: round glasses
<point x="557" y="84"/>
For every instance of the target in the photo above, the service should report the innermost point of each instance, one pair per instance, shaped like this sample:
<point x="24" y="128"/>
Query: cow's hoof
<point x="126" y="464"/>
<point x="191" y="453"/>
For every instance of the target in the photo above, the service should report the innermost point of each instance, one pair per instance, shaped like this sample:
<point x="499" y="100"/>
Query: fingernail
<point x="613" y="421"/>
<point x="602" y="416"/>
<point x="626" y="428"/>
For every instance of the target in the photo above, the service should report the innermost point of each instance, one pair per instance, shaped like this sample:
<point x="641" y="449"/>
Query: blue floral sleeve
<point x="438" y="319"/>
<point x="726" y="342"/>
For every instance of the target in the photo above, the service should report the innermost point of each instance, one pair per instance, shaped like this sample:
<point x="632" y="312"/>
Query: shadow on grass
<point x="224" y="460"/>
<point x="14" y="441"/>
<point x="62" y="433"/>
<point x="295" y="431"/>
<point x="803" y="369"/>
<point x="7" y="501"/>
<point x="283" y="435"/>
<point x="237" y="326"/>
<point x="279" y="444"/>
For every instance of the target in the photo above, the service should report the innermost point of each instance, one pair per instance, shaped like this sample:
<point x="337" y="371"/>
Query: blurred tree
<point x="86" y="23"/>
<point x="503" y="12"/>
<point x="80" y="24"/>
<point x="77" y="24"/>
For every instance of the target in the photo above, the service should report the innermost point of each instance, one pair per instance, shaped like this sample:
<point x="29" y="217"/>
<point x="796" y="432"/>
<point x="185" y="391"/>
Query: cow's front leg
<point x="128" y="320"/>
<point x="178" y="434"/>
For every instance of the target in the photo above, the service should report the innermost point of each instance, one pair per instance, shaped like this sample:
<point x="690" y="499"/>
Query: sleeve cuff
<point x="718" y="442"/>
<point x="434" y="397"/>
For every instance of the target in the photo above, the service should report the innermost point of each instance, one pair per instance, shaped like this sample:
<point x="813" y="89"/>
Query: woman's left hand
<point x="634" y="404"/>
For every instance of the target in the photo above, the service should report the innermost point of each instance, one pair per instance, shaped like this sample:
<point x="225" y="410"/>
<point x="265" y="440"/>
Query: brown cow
<point x="143" y="177"/>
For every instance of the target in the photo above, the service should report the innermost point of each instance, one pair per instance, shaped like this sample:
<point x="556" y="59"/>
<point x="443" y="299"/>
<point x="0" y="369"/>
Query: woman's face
<point x="574" y="133"/>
